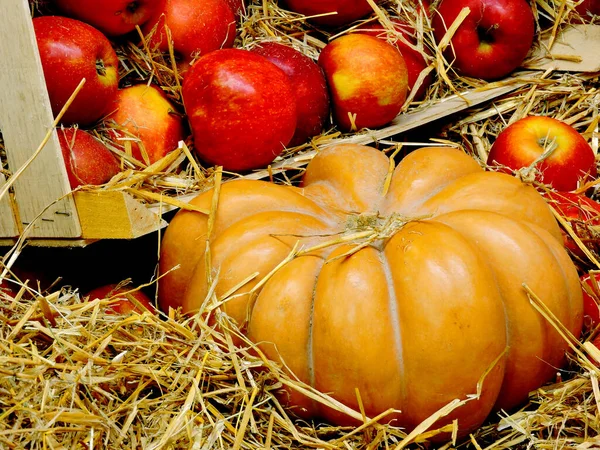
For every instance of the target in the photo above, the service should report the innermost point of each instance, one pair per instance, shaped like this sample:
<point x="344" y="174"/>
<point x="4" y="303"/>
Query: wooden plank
<point x="575" y="49"/>
<point x="105" y="215"/>
<point x="8" y="226"/>
<point x="114" y="215"/>
<point x="25" y="118"/>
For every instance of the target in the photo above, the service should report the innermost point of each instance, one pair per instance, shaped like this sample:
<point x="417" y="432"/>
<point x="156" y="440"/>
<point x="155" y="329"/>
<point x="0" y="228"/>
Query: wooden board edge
<point x="114" y="215"/>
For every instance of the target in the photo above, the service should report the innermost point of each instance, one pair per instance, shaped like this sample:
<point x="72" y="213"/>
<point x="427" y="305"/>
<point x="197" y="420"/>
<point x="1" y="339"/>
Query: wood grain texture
<point x="25" y="118"/>
<point x="575" y="49"/>
<point x="114" y="215"/>
<point x="8" y="227"/>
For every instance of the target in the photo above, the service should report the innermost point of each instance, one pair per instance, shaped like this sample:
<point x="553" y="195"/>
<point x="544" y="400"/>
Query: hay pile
<point x="72" y="376"/>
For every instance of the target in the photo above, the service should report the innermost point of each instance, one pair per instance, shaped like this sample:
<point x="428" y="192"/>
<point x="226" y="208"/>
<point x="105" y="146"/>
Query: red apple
<point x="367" y="78"/>
<point x="588" y="7"/>
<point x="334" y="12"/>
<point x="196" y="27"/>
<point x="492" y="41"/>
<point x="415" y="61"/>
<point x="112" y="17"/>
<point x="241" y="108"/>
<point x="560" y="156"/>
<point x="6" y="290"/>
<point x="591" y="299"/>
<point x="308" y="83"/>
<point x="88" y="161"/>
<point x="146" y="113"/>
<point x="238" y="7"/>
<point x="581" y="212"/>
<point x="125" y="301"/>
<point x="71" y="50"/>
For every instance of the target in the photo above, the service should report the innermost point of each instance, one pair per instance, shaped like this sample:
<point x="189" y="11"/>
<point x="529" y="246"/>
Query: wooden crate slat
<point x="115" y="215"/>
<point x="575" y="49"/>
<point x="8" y="226"/>
<point x="25" y="118"/>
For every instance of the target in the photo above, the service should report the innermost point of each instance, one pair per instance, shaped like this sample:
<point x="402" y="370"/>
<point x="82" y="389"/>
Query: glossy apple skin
<point x="241" y="108"/>
<point x="197" y="27"/>
<point x="367" y="77"/>
<point x="492" y="41"/>
<point x="522" y="142"/>
<point x="414" y="60"/>
<point x="125" y="301"/>
<point x="146" y="113"/>
<point x="71" y="50"/>
<point x="111" y="17"/>
<point x="309" y="85"/>
<point x="238" y="7"/>
<point x="88" y="161"/>
<point x="581" y="212"/>
<point x="588" y="7"/>
<point x="347" y="10"/>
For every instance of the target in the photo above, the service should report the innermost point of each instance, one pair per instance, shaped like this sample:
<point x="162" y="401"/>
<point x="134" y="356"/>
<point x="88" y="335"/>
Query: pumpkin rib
<point x="571" y="278"/>
<point x="352" y="185"/>
<point x="310" y="356"/>
<point x="409" y="188"/>
<point x="394" y="312"/>
<point x="494" y="192"/>
<point x="505" y="241"/>
<point x="446" y="303"/>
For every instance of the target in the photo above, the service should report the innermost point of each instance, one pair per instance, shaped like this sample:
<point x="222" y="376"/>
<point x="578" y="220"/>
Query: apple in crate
<point x="333" y="13"/>
<point x="415" y="61"/>
<point x="241" y="108"/>
<point x="145" y="112"/>
<point x="71" y="50"/>
<point x="196" y="27"/>
<point x="367" y="78"/>
<point x="492" y="41"/>
<point x="126" y="301"/>
<point x="549" y="149"/>
<point x="308" y="83"/>
<point x="112" y="17"/>
<point x="88" y="161"/>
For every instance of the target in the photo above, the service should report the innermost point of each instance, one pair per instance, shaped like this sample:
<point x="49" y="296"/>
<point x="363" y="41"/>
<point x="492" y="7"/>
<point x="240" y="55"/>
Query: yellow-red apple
<point x="554" y="151"/>
<point x="492" y="41"/>
<point x="367" y="80"/>
<point x="112" y="17"/>
<point x="71" y="50"/>
<point x="308" y="83"/>
<point x="146" y="113"/>
<point x="332" y="13"/>
<point x="241" y="108"/>
<point x="415" y="61"/>
<point x="196" y="27"/>
<point x="88" y="161"/>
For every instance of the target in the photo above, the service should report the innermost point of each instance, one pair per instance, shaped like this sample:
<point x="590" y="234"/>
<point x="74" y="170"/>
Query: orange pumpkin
<point x="405" y="284"/>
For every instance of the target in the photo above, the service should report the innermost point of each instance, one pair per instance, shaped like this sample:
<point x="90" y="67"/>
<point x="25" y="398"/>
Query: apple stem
<point x="133" y="6"/>
<point x="100" y="67"/>
<point x="527" y="174"/>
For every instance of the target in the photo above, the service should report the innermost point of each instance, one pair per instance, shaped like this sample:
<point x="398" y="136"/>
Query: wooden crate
<point x="39" y="204"/>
